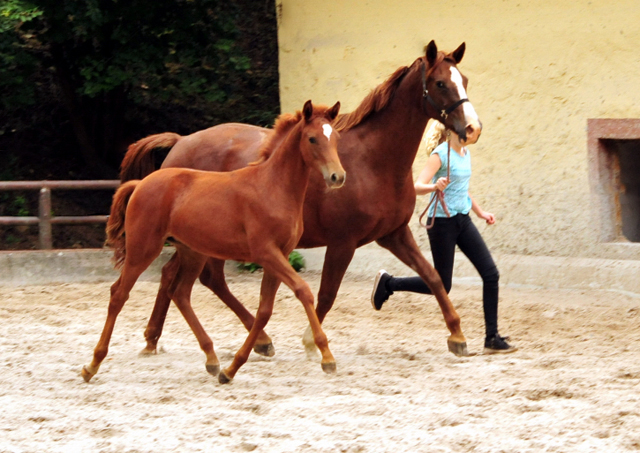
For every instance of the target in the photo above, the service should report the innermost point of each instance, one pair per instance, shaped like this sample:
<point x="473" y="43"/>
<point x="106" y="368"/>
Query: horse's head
<point x="319" y="143"/>
<point x="445" y="91"/>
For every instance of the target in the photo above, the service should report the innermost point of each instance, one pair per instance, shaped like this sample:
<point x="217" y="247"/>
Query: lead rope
<point x="438" y="195"/>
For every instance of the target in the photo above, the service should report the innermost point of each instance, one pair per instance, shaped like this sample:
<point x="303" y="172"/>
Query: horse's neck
<point x="286" y="167"/>
<point x="398" y="129"/>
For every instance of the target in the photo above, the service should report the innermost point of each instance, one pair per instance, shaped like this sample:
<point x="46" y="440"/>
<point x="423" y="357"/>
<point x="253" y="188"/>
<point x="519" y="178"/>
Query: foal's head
<point x="319" y="142"/>
<point x="446" y="91"/>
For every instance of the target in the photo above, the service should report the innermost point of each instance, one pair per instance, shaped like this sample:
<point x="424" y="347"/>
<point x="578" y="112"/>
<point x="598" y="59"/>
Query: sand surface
<point x="574" y="385"/>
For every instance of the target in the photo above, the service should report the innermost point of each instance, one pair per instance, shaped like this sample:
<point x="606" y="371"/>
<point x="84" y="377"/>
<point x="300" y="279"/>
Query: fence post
<point x="44" y="208"/>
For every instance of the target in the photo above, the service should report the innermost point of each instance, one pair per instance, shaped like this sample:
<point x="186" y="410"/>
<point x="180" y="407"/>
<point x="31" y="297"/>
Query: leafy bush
<point x="295" y="259"/>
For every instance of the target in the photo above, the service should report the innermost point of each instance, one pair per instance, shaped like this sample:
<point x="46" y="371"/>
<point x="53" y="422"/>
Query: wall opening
<point x="614" y="172"/>
<point x="626" y="174"/>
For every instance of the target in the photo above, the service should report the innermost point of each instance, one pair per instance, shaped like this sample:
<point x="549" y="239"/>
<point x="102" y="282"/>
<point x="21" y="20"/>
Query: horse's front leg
<point x="403" y="245"/>
<point x="268" y="289"/>
<point x="301" y="289"/>
<point x="212" y="277"/>
<point x="336" y="262"/>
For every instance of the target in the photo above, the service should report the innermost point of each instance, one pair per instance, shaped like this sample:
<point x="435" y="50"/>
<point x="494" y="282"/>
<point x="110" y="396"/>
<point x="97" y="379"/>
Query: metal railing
<point x="44" y="220"/>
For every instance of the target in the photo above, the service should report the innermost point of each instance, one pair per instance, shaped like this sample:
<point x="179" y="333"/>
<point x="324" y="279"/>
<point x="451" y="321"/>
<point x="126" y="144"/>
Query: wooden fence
<point x="44" y="220"/>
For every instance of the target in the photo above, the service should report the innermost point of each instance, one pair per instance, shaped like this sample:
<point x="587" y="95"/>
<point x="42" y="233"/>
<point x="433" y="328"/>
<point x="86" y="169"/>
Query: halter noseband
<point x="444" y="112"/>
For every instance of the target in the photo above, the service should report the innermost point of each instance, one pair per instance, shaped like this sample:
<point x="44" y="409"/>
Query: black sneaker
<point x="380" y="293"/>
<point x="498" y="345"/>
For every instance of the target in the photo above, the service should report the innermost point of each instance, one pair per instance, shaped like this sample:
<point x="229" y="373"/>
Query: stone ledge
<point x="94" y="265"/>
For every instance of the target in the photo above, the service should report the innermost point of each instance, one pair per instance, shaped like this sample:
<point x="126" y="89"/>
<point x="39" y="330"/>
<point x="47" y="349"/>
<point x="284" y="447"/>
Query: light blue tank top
<point x="456" y="195"/>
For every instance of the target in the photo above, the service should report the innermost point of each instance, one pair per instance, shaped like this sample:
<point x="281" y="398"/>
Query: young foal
<point x="252" y="214"/>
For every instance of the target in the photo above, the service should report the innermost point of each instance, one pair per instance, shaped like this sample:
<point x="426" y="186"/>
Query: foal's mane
<point x="283" y="125"/>
<point x="381" y="95"/>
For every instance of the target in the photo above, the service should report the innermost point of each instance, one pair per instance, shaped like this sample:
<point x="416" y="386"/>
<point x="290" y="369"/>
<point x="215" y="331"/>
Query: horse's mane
<point x="380" y="96"/>
<point x="281" y="128"/>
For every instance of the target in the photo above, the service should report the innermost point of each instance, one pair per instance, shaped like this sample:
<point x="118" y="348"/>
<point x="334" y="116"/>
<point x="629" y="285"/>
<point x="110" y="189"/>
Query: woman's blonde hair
<point x="435" y="135"/>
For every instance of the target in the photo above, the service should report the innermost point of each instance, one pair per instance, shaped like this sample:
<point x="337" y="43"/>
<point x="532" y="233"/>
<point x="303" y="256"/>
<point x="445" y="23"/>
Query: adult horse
<point x="379" y="142"/>
<point x="252" y="214"/>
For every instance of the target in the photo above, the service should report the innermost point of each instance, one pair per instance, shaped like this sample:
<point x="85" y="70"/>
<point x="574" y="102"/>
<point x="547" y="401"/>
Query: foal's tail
<point x="138" y="161"/>
<point x="115" y="224"/>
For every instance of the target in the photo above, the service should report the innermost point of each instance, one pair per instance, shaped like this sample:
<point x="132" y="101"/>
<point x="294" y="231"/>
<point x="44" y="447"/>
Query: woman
<point x="446" y="232"/>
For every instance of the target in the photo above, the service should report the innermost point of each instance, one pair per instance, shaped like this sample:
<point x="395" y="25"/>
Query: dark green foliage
<point x="92" y="76"/>
<point x="295" y="259"/>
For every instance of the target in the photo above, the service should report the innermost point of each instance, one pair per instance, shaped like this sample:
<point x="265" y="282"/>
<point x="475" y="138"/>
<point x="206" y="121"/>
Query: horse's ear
<point x="332" y="113"/>
<point x="431" y="52"/>
<point x="307" y="110"/>
<point x="459" y="53"/>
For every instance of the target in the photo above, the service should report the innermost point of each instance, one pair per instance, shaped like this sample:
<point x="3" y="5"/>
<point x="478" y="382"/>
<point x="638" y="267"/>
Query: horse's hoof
<point x="458" y="348"/>
<point x="329" y="367"/>
<point x="213" y="369"/>
<point x="147" y="352"/>
<point x="86" y="374"/>
<point x="266" y="350"/>
<point x="223" y="378"/>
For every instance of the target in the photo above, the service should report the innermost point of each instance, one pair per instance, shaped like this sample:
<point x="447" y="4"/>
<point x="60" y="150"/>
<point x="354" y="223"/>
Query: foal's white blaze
<point x="327" y="130"/>
<point x="470" y="115"/>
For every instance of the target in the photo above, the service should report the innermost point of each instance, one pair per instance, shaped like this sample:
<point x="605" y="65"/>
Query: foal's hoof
<point x="329" y="367"/>
<point x="86" y="374"/>
<point x="213" y="369"/>
<point x="266" y="350"/>
<point x="458" y="348"/>
<point x="223" y="378"/>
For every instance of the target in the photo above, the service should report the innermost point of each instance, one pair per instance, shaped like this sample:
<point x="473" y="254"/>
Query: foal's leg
<point x="402" y="244"/>
<point x="276" y="269"/>
<point x="268" y="290"/>
<point x="212" y="277"/>
<point x="336" y="262"/>
<point x="191" y="264"/>
<point x="161" y="307"/>
<point x="119" y="294"/>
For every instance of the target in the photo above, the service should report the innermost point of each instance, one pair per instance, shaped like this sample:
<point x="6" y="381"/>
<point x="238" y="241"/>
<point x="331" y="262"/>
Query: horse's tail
<point x="115" y="223"/>
<point x="138" y="162"/>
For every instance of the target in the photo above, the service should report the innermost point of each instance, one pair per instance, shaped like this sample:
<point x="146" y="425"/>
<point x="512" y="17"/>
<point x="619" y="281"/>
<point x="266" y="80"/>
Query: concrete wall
<point x="537" y="71"/>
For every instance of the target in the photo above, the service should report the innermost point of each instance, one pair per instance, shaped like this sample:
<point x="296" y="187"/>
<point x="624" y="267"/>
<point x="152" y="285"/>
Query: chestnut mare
<point x="379" y="142"/>
<point x="252" y="214"/>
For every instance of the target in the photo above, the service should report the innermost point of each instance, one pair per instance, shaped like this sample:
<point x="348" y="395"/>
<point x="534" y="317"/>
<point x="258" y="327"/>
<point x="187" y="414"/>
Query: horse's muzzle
<point x="335" y="180"/>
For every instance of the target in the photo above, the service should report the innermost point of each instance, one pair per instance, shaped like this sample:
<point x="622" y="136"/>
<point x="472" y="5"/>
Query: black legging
<point x="445" y="234"/>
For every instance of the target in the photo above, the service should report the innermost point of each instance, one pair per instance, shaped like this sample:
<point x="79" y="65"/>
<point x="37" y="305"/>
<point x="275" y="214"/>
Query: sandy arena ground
<point x="574" y="385"/>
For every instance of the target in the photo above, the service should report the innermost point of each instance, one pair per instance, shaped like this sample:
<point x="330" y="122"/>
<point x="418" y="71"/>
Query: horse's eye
<point x="440" y="84"/>
<point x="313" y="140"/>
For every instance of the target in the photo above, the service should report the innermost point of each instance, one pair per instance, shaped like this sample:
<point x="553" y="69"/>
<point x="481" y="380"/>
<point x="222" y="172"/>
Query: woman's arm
<point x="423" y="183"/>
<point x="475" y="207"/>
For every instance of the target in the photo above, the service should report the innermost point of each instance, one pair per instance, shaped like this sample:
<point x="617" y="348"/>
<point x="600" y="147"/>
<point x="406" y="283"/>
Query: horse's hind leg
<point x="212" y="277"/>
<point x="161" y="307"/>
<point x="403" y="245"/>
<point x="191" y="265"/>
<point x="119" y="294"/>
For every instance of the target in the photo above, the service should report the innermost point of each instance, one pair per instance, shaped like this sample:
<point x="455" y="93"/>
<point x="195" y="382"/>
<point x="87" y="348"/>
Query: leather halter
<point x="444" y="112"/>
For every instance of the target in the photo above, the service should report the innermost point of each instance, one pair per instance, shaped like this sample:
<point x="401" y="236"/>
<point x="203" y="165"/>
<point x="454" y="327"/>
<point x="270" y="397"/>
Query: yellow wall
<point x="537" y="70"/>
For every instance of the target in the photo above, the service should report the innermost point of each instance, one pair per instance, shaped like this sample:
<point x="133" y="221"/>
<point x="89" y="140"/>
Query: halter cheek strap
<point x="444" y="112"/>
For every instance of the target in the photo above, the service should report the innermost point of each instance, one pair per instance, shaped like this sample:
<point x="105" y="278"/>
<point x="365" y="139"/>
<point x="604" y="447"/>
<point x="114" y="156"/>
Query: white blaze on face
<point x="470" y="115"/>
<point x="327" y="130"/>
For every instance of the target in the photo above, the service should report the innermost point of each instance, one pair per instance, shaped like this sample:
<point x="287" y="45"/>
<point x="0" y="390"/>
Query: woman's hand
<point x="442" y="184"/>
<point x="488" y="217"/>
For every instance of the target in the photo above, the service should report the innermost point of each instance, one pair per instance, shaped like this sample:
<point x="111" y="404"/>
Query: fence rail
<point x="44" y="220"/>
